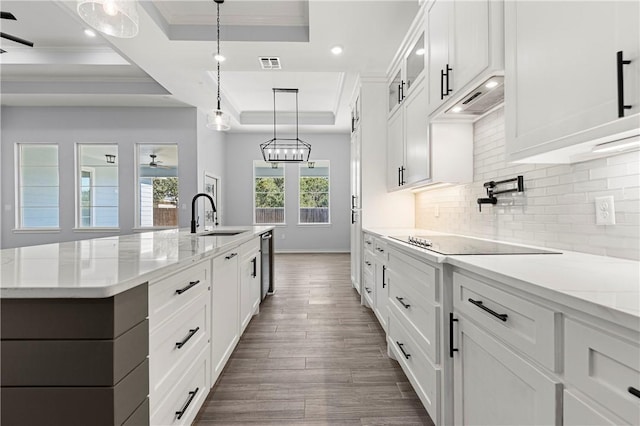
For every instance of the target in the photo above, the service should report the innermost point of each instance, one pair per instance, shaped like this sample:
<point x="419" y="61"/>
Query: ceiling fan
<point x="156" y="163"/>
<point x="10" y="16"/>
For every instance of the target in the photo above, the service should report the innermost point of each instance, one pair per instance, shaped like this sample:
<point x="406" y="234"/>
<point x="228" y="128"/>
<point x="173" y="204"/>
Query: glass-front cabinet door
<point x="415" y="62"/>
<point x="395" y="90"/>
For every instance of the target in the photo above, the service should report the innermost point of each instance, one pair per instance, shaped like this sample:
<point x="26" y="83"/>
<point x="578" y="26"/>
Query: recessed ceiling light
<point x="420" y="51"/>
<point x="491" y="84"/>
<point x="456" y="109"/>
<point x="336" y="50"/>
<point x="220" y="58"/>
<point x="89" y="33"/>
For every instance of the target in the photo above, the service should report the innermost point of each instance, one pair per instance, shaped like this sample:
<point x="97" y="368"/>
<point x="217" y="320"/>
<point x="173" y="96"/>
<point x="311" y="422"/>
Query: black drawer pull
<point x="368" y="290"/>
<point x="231" y="256"/>
<point x="254" y="273"/>
<point x="400" y="346"/>
<point x="380" y="250"/>
<point x="191" y="284"/>
<point x="193" y="331"/>
<point x="384" y="276"/>
<point x="401" y="300"/>
<point x="366" y="262"/>
<point x="620" y="63"/>
<point x="192" y="395"/>
<point x="478" y="303"/>
<point x="633" y="391"/>
<point x="451" y="348"/>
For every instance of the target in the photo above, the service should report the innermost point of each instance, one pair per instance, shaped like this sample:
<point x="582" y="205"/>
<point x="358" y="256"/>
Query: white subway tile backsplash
<point x="557" y="209"/>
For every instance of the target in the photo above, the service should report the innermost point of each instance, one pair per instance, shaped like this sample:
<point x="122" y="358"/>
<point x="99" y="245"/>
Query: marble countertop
<point x="607" y="287"/>
<point x="103" y="267"/>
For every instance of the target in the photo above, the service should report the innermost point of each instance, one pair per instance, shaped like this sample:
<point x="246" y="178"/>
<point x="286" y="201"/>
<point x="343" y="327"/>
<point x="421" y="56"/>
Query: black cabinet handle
<point x="384" y="276"/>
<point x="366" y="262"/>
<point x="399" y="94"/>
<point x="402" y="90"/>
<point x="441" y="84"/>
<point x="401" y="300"/>
<point x="231" y="256"/>
<point x="399" y="176"/>
<point x="402" y="169"/>
<point x="368" y="243"/>
<point x="478" y="303"/>
<point x="400" y="346"/>
<point x="179" y="345"/>
<point x="192" y="395"/>
<point x="633" y="391"/>
<point x="380" y="250"/>
<point x="183" y="289"/>
<point x="368" y="290"/>
<point x="451" y="348"/>
<point x="620" y="63"/>
<point x="448" y="89"/>
<point x="254" y="273"/>
<point x="353" y="201"/>
<point x="353" y="217"/>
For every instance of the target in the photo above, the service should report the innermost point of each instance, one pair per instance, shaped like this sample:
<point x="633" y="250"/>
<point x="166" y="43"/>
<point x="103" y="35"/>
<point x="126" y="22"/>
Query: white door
<point x="395" y="149"/>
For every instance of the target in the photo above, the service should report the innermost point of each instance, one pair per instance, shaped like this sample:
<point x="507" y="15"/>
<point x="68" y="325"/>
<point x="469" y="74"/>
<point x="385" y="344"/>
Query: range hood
<point x="481" y="99"/>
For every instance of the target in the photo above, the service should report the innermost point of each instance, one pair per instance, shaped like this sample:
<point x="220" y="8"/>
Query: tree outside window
<point x="269" y="185"/>
<point x="314" y="192"/>
<point x="158" y="185"/>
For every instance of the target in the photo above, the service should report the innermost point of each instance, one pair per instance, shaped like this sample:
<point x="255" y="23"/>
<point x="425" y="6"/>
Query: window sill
<point x="96" y="229"/>
<point x="270" y="224"/>
<point x="315" y="225"/>
<point x="36" y="230"/>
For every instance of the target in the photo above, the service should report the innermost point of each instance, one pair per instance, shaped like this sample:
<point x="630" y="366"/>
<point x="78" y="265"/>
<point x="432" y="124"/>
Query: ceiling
<point x="170" y="62"/>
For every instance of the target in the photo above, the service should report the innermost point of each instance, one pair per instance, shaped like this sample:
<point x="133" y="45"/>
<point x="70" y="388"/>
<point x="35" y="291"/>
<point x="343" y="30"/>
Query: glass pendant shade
<point x="218" y="120"/>
<point x="117" y="18"/>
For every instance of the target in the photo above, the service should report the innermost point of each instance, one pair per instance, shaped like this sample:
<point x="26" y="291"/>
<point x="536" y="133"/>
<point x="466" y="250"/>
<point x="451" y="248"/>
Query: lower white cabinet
<point x="249" y="281"/>
<point x="495" y="386"/>
<point x="225" y="308"/>
<point x="179" y="336"/>
<point x="577" y="411"/>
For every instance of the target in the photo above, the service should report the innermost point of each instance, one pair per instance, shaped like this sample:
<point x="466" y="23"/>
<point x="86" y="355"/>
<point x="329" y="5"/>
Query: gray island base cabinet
<point x="75" y="361"/>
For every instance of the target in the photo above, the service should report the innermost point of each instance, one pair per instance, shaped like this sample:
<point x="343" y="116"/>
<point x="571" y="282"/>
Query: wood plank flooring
<point x="313" y="356"/>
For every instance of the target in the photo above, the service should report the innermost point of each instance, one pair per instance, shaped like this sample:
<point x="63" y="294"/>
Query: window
<point x="157" y="187"/>
<point x="97" y="199"/>
<point x="38" y="186"/>
<point x="314" y="192"/>
<point x="268" y="192"/>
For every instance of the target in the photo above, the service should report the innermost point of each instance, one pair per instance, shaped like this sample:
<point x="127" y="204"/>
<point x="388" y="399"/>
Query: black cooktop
<point x="456" y="245"/>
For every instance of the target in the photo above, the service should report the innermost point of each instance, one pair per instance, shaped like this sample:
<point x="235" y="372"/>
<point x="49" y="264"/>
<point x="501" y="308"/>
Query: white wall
<point x="557" y="208"/>
<point x="69" y="125"/>
<point x="243" y="148"/>
<point x="211" y="159"/>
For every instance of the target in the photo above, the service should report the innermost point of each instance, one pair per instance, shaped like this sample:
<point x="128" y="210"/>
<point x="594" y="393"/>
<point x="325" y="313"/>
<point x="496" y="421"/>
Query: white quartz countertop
<point x="607" y="287"/>
<point x="103" y="267"/>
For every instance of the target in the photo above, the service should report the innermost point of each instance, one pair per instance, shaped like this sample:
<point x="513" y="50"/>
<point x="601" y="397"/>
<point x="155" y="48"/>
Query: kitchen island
<point x="79" y="319"/>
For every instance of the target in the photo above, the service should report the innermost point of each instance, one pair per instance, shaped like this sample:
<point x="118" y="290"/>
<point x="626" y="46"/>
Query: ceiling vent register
<point x="270" y="63"/>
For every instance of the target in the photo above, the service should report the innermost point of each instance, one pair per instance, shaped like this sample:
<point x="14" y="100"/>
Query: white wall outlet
<point x="605" y="211"/>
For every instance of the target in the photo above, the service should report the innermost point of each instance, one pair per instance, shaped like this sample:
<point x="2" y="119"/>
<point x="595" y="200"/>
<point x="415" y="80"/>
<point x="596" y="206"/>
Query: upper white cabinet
<point x="409" y="68"/>
<point x="465" y="45"/>
<point x="566" y="89"/>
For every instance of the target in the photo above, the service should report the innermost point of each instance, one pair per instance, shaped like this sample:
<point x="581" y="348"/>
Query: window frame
<point x="18" y="222"/>
<point x="284" y="194"/>
<point x="136" y="201"/>
<point x="79" y="169"/>
<point x="299" y="208"/>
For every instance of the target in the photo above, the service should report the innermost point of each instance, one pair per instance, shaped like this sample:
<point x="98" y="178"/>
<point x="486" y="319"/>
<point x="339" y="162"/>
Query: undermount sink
<point x="220" y="233"/>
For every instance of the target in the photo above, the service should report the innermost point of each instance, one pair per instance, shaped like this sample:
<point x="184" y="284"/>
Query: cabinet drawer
<point x="250" y="247"/>
<point x="172" y="293"/>
<point x="368" y="241"/>
<point x="175" y="346"/>
<point x="526" y="326"/>
<point x="380" y="250"/>
<point x="368" y="289"/>
<point x="424" y="377"/>
<point x="418" y="315"/>
<point x="576" y="412"/>
<point x="367" y="265"/>
<point x="414" y="274"/>
<point x="186" y="396"/>
<point x="604" y="367"/>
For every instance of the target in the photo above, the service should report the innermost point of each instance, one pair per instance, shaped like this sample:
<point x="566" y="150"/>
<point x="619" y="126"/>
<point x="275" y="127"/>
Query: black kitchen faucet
<point x="193" y="209"/>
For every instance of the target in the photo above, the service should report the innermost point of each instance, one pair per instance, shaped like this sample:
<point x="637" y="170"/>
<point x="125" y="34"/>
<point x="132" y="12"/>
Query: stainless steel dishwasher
<point x="266" y="261"/>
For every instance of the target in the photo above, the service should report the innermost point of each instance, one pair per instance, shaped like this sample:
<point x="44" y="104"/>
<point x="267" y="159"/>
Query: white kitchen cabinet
<point x="465" y="46"/>
<point x="249" y="281"/>
<point x="380" y="260"/>
<point x="356" y="197"/>
<point x="179" y="336"/>
<point x="494" y="385"/>
<point x="395" y="149"/>
<point x="561" y="93"/>
<point x="577" y="411"/>
<point x="225" y="306"/>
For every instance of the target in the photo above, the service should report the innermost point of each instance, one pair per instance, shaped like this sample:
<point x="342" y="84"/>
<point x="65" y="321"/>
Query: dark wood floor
<point x="313" y="356"/>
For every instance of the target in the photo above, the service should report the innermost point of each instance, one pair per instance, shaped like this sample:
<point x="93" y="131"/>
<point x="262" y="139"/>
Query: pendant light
<point x="285" y="150"/>
<point x="218" y="119"/>
<point x="117" y="18"/>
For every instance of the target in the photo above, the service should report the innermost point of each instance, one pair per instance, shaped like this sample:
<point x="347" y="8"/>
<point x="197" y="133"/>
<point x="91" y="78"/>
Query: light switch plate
<point x="605" y="211"/>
